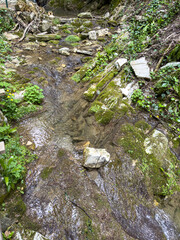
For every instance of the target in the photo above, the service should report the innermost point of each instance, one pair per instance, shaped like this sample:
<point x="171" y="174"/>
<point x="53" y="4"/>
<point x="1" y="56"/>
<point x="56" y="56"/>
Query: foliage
<point x="163" y="100"/>
<point x="13" y="162"/>
<point x="33" y="94"/>
<point x="154" y="17"/>
<point x="5" y="132"/>
<point x="9" y="236"/>
<point x="6" y="21"/>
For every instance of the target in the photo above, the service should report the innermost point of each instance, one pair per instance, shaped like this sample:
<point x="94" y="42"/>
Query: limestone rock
<point x="129" y="89"/>
<point x="172" y="64"/>
<point x="92" y="35"/>
<point x="120" y="62"/>
<point x="107" y="15"/>
<point x="95" y="158"/>
<point x="45" y="26"/>
<point x="19" y="95"/>
<point x="3" y="119"/>
<point x="64" y="51"/>
<point x="10" y="36"/>
<point x="85" y="15"/>
<point x="83" y="52"/>
<point x="2" y="92"/>
<point x="2" y="148"/>
<point x="141" y="68"/>
<point x="103" y="32"/>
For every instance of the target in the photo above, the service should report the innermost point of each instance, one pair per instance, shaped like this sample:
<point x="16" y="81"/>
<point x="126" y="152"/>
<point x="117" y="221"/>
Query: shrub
<point x="33" y="94"/>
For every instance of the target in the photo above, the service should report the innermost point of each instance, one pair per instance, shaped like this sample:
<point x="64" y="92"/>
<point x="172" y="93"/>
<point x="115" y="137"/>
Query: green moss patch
<point x="46" y="172"/>
<point x="72" y="38"/>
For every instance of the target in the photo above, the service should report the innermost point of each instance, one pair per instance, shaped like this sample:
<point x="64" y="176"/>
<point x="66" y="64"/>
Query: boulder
<point x="92" y="35"/>
<point x="85" y="15"/>
<point x="64" y="51"/>
<point x="2" y="148"/>
<point x="120" y="62"/>
<point x="141" y="68"/>
<point x="95" y="158"/>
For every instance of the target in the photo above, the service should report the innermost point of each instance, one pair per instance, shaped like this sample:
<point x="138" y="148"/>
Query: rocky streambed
<point x="62" y="199"/>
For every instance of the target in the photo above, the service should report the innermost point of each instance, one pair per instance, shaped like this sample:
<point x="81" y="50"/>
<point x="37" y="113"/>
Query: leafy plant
<point x="5" y="132"/>
<point x="33" y="94"/>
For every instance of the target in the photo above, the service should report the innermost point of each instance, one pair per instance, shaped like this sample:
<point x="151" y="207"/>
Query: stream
<point x="63" y="199"/>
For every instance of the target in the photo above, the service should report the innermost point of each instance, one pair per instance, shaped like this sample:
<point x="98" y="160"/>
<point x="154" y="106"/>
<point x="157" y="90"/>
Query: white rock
<point x="19" y="95"/>
<point x="3" y="119"/>
<point x="129" y="89"/>
<point x="103" y="32"/>
<point x="10" y="36"/>
<point x="141" y="68"/>
<point x="107" y="15"/>
<point x="64" y="51"/>
<point x="85" y="15"/>
<point x="2" y="92"/>
<point x="92" y="35"/>
<point x="120" y="62"/>
<point x="95" y="158"/>
<point x="2" y="148"/>
<point x="29" y="143"/>
<point x="171" y="64"/>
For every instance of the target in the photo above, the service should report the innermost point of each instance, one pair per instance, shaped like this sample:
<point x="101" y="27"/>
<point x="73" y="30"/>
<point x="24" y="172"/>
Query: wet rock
<point x="10" y="36"/>
<point x="171" y="64"/>
<point x="27" y="234"/>
<point x="92" y="35"/>
<point x="3" y="119"/>
<point x="31" y="46"/>
<point x="95" y="158"/>
<point x="85" y="15"/>
<point x="64" y="51"/>
<point x="2" y="92"/>
<point x="120" y="62"/>
<point x="2" y="147"/>
<point x="141" y="68"/>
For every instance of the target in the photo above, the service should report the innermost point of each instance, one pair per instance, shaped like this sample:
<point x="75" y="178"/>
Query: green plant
<point x="33" y="94"/>
<point x="13" y="162"/>
<point x="8" y="235"/>
<point x="5" y="132"/>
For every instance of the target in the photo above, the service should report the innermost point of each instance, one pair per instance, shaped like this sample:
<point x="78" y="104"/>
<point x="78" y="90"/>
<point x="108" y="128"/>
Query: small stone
<point x="85" y="15"/>
<point x="103" y="32"/>
<point x="29" y="143"/>
<point x="64" y="51"/>
<point x="10" y="36"/>
<point x="84" y="52"/>
<point x="95" y="158"/>
<point x="107" y="15"/>
<point x="92" y="35"/>
<point x="39" y="58"/>
<point x="141" y="68"/>
<point x="2" y="148"/>
<point x="2" y="92"/>
<point x="3" y="119"/>
<point x="63" y="65"/>
<point x="120" y="62"/>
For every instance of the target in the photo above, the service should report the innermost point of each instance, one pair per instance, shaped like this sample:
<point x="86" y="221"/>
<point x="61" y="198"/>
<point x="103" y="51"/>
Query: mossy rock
<point x="150" y="161"/>
<point x="104" y="116"/>
<point x="46" y="172"/>
<point x="91" y="92"/>
<point x="72" y="38"/>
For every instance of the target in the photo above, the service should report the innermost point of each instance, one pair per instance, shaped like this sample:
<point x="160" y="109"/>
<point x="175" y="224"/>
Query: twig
<point x="75" y="204"/>
<point x="25" y="31"/>
<point x="161" y="59"/>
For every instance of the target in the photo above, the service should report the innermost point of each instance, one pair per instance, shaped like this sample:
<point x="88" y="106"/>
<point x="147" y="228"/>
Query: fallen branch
<point x="26" y="30"/>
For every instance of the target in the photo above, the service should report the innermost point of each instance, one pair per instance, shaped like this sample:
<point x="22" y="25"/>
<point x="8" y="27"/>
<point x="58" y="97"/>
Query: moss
<point x="106" y="79"/>
<point x="55" y="42"/>
<point x="61" y="153"/>
<point x="91" y="92"/>
<point x="56" y="21"/>
<point x="86" y="59"/>
<point x="175" y="53"/>
<point x="16" y="206"/>
<point x="143" y="125"/>
<point x="80" y="74"/>
<point x="66" y="31"/>
<point x="104" y="116"/>
<point x="72" y="38"/>
<point x="31" y="72"/>
<point x="30" y="224"/>
<point x="65" y="26"/>
<point x="41" y="79"/>
<point x="46" y="172"/>
<point x="87" y="24"/>
<point x="113" y="23"/>
<point x="132" y="141"/>
<point x="95" y="107"/>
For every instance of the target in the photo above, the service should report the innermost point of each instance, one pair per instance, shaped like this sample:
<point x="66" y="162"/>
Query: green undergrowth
<point x="163" y="100"/>
<point x="162" y="177"/>
<point x="6" y="21"/>
<point x="154" y="15"/>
